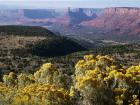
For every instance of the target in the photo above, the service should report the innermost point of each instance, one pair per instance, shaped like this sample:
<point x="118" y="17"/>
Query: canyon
<point x="120" y="21"/>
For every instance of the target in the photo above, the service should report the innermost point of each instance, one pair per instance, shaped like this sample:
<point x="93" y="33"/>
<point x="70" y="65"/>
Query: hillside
<point x="25" y="31"/>
<point x="105" y="77"/>
<point x="58" y="46"/>
<point x="27" y="45"/>
<point x="94" y="80"/>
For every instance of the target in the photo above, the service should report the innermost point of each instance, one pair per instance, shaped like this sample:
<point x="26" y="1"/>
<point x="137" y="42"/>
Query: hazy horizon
<point x="44" y="4"/>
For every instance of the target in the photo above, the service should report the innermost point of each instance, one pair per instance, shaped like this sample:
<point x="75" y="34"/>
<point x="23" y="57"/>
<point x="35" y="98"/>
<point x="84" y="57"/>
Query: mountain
<point x="76" y="16"/>
<point x="113" y="21"/>
<point x="35" y="40"/>
<point x="69" y="16"/>
<point x="124" y="21"/>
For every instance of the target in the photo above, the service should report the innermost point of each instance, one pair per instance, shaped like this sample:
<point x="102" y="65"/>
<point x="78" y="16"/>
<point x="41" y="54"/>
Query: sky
<point x="68" y="3"/>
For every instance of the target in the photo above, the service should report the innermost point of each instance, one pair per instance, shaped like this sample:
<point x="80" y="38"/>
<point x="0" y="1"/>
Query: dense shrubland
<point x="96" y="80"/>
<point x="24" y="48"/>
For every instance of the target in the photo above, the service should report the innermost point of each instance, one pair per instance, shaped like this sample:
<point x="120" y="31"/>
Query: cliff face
<point x="69" y="16"/>
<point x="111" y="20"/>
<point x="121" y="11"/>
<point x="80" y="15"/>
<point x="117" y="20"/>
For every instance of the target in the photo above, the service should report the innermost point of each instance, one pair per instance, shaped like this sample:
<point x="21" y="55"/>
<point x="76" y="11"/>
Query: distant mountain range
<point x="122" y="21"/>
<point x="48" y="16"/>
<point x="117" y="20"/>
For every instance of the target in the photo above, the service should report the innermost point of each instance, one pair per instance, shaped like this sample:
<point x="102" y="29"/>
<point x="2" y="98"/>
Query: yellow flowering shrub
<point x="41" y="94"/>
<point x="95" y="74"/>
<point x="49" y="74"/>
<point x="97" y="80"/>
<point x="46" y="73"/>
<point x="6" y="94"/>
<point x="24" y="80"/>
<point x="10" y="80"/>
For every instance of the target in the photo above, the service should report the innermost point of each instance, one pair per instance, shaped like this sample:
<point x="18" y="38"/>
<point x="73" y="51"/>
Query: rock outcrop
<point x="117" y="20"/>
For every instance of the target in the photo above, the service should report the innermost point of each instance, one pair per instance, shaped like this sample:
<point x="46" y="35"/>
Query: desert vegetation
<point x="30" y="46"/>
<point x="96" y="80"/>
<point x="40" y="68"/>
